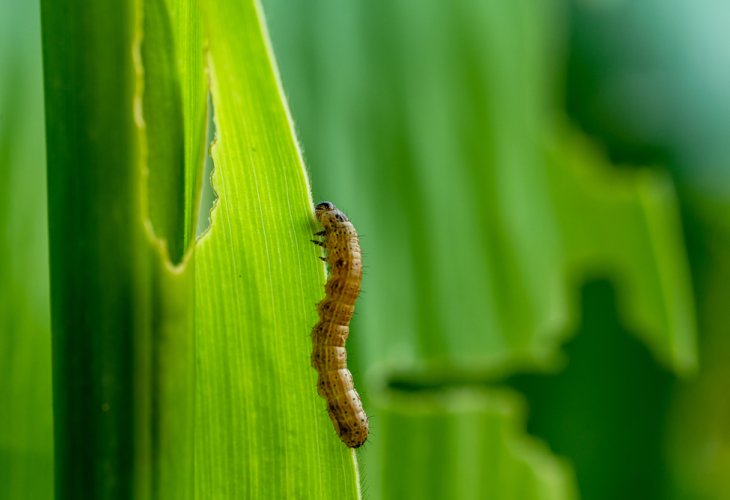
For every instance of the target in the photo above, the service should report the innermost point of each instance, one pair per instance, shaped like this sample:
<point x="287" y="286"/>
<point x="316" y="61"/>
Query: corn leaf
<point x="262" y="430"/>
<point x="131" y="287"/>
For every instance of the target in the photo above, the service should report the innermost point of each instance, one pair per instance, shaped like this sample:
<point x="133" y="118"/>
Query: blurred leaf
<point x="472" y="443"/>
<point x="122" y="315"/>
<point x="26" y="428"/>
<point x="261" y="429"/>
<point x="610" y="422"/>
<point x="698" y="446"/>
<point x="649" y="79"/>
<point x="626" y="225"/>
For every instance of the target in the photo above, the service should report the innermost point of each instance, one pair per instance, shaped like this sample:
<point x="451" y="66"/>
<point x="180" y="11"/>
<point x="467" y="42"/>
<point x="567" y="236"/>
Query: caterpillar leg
<point x="320" y="233"/>
<point x="320" y="243"/>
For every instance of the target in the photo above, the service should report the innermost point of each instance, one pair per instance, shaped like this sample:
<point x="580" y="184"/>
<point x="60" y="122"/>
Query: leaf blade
<point x="258" y="279"/>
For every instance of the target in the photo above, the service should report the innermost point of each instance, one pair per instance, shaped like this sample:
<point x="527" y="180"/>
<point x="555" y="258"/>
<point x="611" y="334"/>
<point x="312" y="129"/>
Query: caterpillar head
<point x="328" y="215"/>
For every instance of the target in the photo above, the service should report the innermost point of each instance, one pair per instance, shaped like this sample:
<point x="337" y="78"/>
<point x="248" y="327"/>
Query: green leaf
<point x="26" y="419"/>
<point x="175" y="95"/>
<point x="122" y="314"/>
<point x="630" y="231"/>
<point x="455" y="434"/>
<point x="125" y="126"/>
<point x="262" y="431"/>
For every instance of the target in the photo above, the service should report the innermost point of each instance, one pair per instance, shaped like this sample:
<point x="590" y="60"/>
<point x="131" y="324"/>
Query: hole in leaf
<point x="208" y="196"/>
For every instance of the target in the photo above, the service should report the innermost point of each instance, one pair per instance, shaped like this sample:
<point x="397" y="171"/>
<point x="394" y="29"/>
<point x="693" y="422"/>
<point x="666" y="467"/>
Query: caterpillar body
<point x="329" y="335"/>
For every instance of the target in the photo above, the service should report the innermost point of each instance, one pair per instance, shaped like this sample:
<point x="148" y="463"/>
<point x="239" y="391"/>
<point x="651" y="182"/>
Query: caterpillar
<point x="329" y="335"/>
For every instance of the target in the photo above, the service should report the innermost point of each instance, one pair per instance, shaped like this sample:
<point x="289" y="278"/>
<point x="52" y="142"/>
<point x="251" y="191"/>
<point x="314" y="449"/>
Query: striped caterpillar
<point x="329" y="356"/>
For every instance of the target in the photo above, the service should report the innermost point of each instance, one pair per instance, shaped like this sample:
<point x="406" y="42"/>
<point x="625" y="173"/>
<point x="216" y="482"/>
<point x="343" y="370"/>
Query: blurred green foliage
<point x="122" y="314"/>
<point x="651" y="80"/>
<point x="512" y="273"/>
<point x="26" y="446"/>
